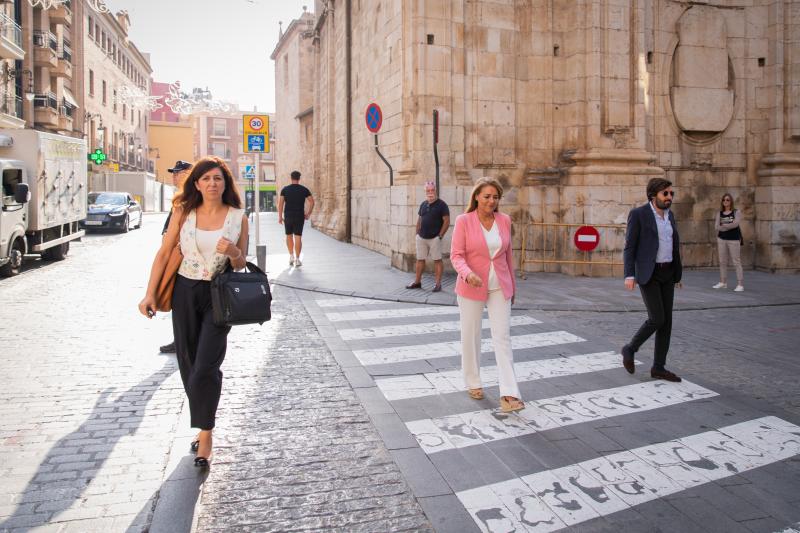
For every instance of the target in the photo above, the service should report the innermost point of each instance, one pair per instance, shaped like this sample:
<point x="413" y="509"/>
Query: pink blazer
<point x="469" y="253"/>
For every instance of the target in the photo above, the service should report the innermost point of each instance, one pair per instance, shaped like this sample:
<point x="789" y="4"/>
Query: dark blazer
<point x="641" y="245"/>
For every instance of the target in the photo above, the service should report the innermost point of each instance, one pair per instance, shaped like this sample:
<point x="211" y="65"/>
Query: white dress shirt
<point x="664" y="227"/>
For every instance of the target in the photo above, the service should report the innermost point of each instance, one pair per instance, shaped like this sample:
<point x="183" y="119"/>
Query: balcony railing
<point x="45" y="39"/>
<point x="11" y="105"/>
<point x="67" y="109"/>
<point x="65" y="53"/>
<point x="45" y="100"/>
<point x="10" y="30"/>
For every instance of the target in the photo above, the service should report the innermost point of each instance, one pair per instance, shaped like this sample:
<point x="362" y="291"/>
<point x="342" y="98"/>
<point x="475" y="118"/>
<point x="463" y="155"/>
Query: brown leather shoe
<point x="414" y="286"/>
<point x="437" y="287"/>
<point x="665" y="375"/>
<point x="627" y="359"/>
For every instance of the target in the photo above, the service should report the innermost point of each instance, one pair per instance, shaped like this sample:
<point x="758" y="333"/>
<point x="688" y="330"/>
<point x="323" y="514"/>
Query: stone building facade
<point x="573" y="105"/>
<point x="294" y="98"/>
<point x="113" y="67"/>
<point x="40" y="77"/>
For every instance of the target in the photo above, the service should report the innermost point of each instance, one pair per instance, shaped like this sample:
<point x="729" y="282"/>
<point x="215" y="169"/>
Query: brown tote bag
<point x="167" y="283"/>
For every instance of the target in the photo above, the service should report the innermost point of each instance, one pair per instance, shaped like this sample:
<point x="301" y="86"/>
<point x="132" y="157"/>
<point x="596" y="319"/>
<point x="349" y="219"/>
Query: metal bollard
<point x="261" y="256"/>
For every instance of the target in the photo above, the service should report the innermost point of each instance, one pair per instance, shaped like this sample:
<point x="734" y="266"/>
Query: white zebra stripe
<point x="794" y="528"/>
<point x="420" y="329"/>
<point x="554" y="499"/>
<point x="417" y="352"/>
<point x="349" y="302"/>
<point x="413" y="386"/>
<point x="402" y="312"/>
<point x="478" y="427"/>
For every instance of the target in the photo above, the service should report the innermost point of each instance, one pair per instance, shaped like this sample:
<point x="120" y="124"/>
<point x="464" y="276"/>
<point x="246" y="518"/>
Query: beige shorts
<point x="429" y="249"/>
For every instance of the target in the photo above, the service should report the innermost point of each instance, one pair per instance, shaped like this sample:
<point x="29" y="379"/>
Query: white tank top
<point x="207" y="242"/>
<point x="494" y="243"/>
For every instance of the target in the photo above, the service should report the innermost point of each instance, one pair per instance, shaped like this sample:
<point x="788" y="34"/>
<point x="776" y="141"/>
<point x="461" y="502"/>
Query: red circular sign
<point x="586" y="238"/>
<point x="374" y="117"/>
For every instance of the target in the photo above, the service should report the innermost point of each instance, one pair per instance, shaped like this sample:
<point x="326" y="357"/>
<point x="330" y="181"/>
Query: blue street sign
<point x="374" y="117"/>
<point x="249" y="172"/>
<point x="256" y="143"/>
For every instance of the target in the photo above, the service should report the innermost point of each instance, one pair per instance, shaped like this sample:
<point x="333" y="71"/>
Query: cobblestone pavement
<point x="294" y="448"/>
<point x="94" y="437"/>
<point x="595" y="449"/>
<point x="356" y="422"/>
<point x="88" y="409"/>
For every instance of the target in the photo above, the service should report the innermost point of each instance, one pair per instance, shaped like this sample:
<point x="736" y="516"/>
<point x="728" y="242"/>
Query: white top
<point x="199" y="265"/>
<point x="494" y="242"/>
<point x="207" y="242"/>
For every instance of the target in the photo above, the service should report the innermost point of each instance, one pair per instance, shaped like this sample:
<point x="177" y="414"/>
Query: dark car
<point x="112" y="210"/>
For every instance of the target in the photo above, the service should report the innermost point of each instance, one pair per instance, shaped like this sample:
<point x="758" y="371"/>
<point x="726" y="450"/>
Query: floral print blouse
<point x="194" y="266"/>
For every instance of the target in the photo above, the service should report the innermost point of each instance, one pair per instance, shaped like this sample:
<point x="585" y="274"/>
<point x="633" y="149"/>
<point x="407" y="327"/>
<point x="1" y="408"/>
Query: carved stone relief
<point x="702" y="86"/>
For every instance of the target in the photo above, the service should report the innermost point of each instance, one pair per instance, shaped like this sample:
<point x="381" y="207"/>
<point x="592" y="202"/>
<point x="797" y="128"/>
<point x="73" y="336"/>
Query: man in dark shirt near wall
<point x="292" y="214"/>
<point x="432" y="224"/>
<point x="179" y="173"/>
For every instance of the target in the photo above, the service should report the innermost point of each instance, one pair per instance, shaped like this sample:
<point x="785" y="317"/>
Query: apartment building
<point x="40" y="82"/>
<point x="221" y="135"/>
<point x="117" y="82"/>
<point x="171" y="134"/>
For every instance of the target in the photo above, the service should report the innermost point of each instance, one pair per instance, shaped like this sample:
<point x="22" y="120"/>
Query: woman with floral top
<point x="211" y="227"/>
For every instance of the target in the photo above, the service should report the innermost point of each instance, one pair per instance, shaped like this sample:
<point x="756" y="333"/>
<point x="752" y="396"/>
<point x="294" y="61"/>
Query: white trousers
<point x="500" y="325"/>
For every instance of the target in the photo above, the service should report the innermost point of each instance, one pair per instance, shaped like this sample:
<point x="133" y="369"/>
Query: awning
<point x="69" y="99"/>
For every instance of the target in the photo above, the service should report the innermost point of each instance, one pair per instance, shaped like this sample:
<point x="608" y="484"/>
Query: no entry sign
<point x="586" y="238"/>
<point x="374" y="117"/>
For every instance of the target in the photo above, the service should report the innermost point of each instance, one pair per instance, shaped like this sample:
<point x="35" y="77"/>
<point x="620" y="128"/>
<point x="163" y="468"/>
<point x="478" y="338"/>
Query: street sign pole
<point x="256" y="202"/>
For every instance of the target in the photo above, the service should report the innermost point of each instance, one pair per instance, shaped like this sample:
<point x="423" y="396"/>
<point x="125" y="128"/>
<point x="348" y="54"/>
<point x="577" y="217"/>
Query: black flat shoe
<point x="665" y="375"/>
<point x="194" y="446"/>
<point x="201" y="462"/>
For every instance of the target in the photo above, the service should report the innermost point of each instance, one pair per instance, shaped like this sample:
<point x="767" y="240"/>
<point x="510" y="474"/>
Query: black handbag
<point x="241" y="297"/>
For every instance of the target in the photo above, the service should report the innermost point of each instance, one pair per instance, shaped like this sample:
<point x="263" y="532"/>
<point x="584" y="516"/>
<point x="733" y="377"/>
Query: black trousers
<point x="658" y="295"/>
<point x="200" y="346"/>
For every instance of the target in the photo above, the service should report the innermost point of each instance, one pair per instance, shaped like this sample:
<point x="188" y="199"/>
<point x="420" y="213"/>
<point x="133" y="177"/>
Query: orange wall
<point x="174" y="141"/>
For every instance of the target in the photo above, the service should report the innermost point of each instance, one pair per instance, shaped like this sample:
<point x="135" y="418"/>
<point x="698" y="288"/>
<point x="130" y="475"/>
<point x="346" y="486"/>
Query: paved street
<point x="347" y="414"/>
<point x="595" y="449"/>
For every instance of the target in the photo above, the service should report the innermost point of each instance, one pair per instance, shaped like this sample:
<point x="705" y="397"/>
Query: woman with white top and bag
<point x="729" y="242"/>
<point x="482" y="255"/>
<point x="212" y="230"/>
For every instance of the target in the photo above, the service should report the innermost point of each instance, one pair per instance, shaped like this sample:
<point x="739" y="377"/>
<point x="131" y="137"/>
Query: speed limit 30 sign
<point x="255" y="129"/>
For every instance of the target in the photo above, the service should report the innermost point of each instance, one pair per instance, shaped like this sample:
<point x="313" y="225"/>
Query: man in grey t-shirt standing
<point x="432" y="224"/>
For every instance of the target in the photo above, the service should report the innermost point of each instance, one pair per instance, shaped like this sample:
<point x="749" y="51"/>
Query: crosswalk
<point x="568" y="494"/>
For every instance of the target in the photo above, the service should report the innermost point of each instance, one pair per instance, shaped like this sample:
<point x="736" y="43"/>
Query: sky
<point x="220" y="44"/>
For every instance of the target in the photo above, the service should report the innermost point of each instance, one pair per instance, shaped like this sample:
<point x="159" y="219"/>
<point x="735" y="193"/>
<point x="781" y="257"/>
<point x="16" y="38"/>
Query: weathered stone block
<point x="697" y="66"/>
<point x="702" y="110"/>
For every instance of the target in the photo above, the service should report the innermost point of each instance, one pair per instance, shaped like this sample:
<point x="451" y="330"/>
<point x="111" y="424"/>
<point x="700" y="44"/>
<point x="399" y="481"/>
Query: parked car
<point x="112" y="210"/>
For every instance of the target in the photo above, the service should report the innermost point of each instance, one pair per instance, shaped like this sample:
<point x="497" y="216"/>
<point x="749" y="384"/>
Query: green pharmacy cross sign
<point x="97" y="157"/>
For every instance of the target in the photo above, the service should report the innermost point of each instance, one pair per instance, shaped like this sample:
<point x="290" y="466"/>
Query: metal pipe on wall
<point x="348" y="236"/>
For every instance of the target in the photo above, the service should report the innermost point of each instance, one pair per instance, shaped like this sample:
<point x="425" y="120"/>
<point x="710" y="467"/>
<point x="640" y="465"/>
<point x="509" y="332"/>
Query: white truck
<point x="43" y="197"/>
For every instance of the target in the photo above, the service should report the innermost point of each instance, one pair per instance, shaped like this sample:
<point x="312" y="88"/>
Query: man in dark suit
<point x="653" y="260"/>
<point x="179" y="173"/>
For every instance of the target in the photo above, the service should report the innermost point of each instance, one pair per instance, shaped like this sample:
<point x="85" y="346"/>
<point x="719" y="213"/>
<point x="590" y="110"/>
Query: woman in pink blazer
<point x="481" y="254"/>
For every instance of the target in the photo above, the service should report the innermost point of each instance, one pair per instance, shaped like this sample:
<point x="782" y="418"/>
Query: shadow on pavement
<point x="58" y="500"/>
<point x="174" y="502"/>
